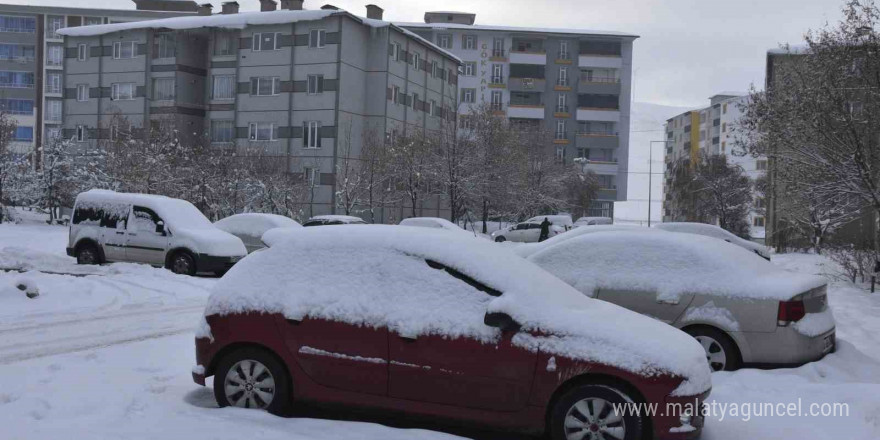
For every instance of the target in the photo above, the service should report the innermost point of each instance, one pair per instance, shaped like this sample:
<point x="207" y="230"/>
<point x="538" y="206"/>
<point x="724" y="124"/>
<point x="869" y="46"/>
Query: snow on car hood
<point x="377" y="276"/>
<point x="670" y="264"/>
<point x="254" y="224"/>
<point x="211" y="241"/>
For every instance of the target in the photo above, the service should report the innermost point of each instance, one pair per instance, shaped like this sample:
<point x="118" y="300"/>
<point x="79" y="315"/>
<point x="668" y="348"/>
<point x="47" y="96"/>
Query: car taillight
<point x="790" y="311"/>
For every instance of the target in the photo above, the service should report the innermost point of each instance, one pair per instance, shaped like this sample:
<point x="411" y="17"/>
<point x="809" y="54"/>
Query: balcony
<point x="498" y="55"/>
<point x="590" y="140"/>
<point x="562" y="85"/>
<point x="563" y="57"/>
<point x="598" y="114"/>
<point x="497" y="109"/>
<point x="561" y="111"/>
<point x="526" y="84"/>
<point x="607" y="194"/>
<point x="525" y="111"/>
<point x="16" y="85"/>
<point x="497" y="82"/>
<point x="600" y="61"/>
<point x="539" y="58"/>
<point x="599" y="86"/>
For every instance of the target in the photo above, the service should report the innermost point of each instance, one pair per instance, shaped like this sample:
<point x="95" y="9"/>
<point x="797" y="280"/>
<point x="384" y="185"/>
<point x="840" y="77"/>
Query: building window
<point x="17" y="80"/>
<point x="82" y="52"/>
<point x="265" y="86"/>
<point x="222" y="131"/>
<point x="470" y="68"/>
<point x="82" y="133"/>
<point x="265" y="41"/>
<point x="395" y="94"/>
<point x="82" y="92"/>
<point x="560" y="154"/>
<point x="416" y="60"/>
<point x="465" y="122"/>
<point x="395" y="51"/>
<point x="17" y="52"/>
<point x="167" y="43"/>
<point x="53" y="23"/>
<point x="223" y="87"/>
<point x="758" y="222"/>
<point x="15" y="24"/>
<point x="563" y="51"/>
<point x="311" y="175"/>
<point x="262" y="131"/>
<point x="53" y="110"/>
<point x="17" y="106"/>
<point x="315" y="84"/>
<point x="724" y="127"/>
<point x="498" y="47"/>
<point x="497" y="74"/>
<point x="163" y="89"/>
<point x="23" y="134"/>
<point x="224" y="43"/>
<point x="496" y="100"/>
<point x="124" y="50"/>
<point x="316" y="38"/>
<point x="312" y="134"/>
<point x="563" y="77"/>
<point x="561" y="103"/>
<point x="91" y="21"/>
<point x="432" y="108"/>
<point x="444" y="41"/>
<point x="54" y="55"/>
<point x="469" y="42"/>
<point x="119" y="131"/>
<point x="761" y="165"/>
<point x="724" y="109"/>
<point x="468" y="96"/>
<point x="53" y="83"/>
<point x="122" y="91"/>
<point x="606" y="181"/>
<point x="560" y="129"/>
<point x="415" y="101"/>
<point x="53" y="133"/>
<point x="759" y="202"/>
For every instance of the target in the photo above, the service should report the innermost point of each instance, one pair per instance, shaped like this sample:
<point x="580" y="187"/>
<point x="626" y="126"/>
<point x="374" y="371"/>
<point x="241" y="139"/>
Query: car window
<point x="114" y="215"/>
<point x="312" y="223"/>
<point x="144" y="220"/>
<point x="522" y="226"/>
<point x="470" y="281"/>
<point x="534" y="226"/>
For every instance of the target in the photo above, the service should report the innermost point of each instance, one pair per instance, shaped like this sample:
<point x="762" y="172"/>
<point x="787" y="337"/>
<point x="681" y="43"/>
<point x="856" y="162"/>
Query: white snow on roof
<point x="377" y="276"/>
<point x="238" y="21"/>
<point x="790" y="49"/>
<point x="669" y="264"/>
<point x="730" y="93"/>
<point x="478" y="27"/>
<point x="254" y="224"/>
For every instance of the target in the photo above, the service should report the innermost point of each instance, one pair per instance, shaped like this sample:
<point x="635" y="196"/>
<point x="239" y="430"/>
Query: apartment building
<point x="710" y="130"/>
<point x="300" y="86"/>
<point x="32" y="59"/>
<point x="575" y="84"/>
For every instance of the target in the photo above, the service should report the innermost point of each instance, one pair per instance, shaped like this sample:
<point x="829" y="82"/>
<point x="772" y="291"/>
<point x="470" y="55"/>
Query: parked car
<point x="528" y="249"/>
<point x="525" y="232"/>
<point x="250" y="227"/>
<point x="715" y="232"/>
<point x="562" y="220"/>
<point x="592" y="221"/>
<point x="425" y="323"/>
<point x="742" y="309"/>
<point x="439" y="223"/>
<point x="108" y="226"/>
<point x="326" y="220"/>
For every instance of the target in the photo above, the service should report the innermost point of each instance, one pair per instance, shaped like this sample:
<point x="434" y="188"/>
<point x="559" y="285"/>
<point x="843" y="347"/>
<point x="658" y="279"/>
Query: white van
<point x="108" y="226"/>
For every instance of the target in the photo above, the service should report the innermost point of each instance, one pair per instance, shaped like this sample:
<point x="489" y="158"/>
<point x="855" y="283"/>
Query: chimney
<point x="374" y="12"/>
<point x="292" y="5"/>
<point x="268" y="5"/>
<point x="230" y="8"/>
<point x="205" y="9"/>
<point x="329" y="8"/>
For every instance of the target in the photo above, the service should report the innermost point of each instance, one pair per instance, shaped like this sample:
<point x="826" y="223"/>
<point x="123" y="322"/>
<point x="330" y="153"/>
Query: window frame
<point x="81" y="134"/>
<point x="254" y="129"/>
<point x="117" y="50"/>
<point x="470" y="65"/>
<point x="82" y="52"/>
<point x="80" y="96"/>
<point x="255" y="85"/>
<point x="231" y="125"/>
<point x="156" y="88"/>
<point x="448" y="41"/>
<point x="115" y="89"/>
<point x="214" y="88"/>
<point x="318" y="84"/>
<point x="312" y="135"/>
<point x="320" y="41"/>
<point x="311" y="175"/>
<point x="467" y="40"/>
<point x="257" y="41"/>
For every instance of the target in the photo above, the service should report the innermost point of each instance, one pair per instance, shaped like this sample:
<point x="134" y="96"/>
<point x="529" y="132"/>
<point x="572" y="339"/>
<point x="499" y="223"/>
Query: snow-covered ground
<point x="108" y="354"/>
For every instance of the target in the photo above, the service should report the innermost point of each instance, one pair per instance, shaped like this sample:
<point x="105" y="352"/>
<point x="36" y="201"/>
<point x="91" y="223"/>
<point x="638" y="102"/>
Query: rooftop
<point x="442" y="26"/>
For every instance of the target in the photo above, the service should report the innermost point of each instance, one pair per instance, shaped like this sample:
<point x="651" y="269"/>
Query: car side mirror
<point x="501" y="321"/>
<point x="160" y="227"/>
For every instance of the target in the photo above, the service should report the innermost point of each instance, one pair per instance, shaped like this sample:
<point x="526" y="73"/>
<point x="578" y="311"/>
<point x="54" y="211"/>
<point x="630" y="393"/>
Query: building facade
<point x="301" y="86"/>
<point x="711" y="130"/>
<point x="575" y="84"/>
<point x="32" y="60"/>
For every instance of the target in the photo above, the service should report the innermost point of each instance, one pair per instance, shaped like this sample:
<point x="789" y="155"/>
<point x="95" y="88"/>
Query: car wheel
<point x="87" y="254"/>
<point x="252" y="378"/>
<point x="183" y="263"/>
<point x="500" y="239"/>
<point x="586" y="412"/>
<point x="720" y="351"/>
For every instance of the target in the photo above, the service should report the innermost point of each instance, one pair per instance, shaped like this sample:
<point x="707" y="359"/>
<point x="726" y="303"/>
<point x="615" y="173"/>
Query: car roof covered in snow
<point x="341" y="218"/>
<point x="431" y="222"/>
<point x="254" y="224"/>
<point x="178" y="212"/>
<point x="709" y="231"/>
<point x="558" y="219"/>
<point x="380" y="276"/>
<point x="528" y="249"/>
<point x="670" y="265"/>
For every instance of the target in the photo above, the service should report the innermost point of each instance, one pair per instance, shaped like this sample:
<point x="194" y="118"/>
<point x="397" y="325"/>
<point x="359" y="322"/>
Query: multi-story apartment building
<point x="32" y="59"/>
<point x="301" y="86"/>
<point x="710" y="130"/>
<point x="575" y="84"/>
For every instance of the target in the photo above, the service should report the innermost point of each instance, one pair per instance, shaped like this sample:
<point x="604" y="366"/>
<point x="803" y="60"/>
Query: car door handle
<point x="120" y="233"/>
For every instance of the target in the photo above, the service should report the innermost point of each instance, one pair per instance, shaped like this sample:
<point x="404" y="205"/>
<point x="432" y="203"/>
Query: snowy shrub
<point x="856" y="263"/>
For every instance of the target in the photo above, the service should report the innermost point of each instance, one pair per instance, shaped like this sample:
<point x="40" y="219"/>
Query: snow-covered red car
<point x="742" y="309"/>
<point x="431" y="324"/>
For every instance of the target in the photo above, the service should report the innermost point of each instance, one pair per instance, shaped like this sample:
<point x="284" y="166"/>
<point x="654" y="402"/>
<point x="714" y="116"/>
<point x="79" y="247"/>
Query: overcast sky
<point x="688" y="50"/>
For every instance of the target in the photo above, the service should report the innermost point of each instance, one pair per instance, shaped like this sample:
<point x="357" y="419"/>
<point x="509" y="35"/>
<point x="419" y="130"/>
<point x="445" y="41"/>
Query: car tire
<point x="721" y="353"/>
<point x="88" y="254"/>
<point x="589" y="408"/>
<point x="182" y="263"/>
<point x="245" y="377"/>
<point x="500" y="239"/>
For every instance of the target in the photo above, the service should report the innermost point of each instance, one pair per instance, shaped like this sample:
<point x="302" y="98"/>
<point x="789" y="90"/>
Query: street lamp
<point x="651" y="174"/>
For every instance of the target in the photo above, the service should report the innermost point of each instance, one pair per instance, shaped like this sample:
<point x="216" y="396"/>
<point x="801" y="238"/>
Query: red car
<point x="417" y="322"/>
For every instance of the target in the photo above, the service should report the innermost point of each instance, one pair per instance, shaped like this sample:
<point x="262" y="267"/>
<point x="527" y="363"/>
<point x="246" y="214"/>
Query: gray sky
<point x="688" y="50"/>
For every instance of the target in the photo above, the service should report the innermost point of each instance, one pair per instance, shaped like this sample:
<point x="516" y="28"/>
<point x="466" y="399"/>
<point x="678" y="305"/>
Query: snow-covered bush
<point x="856" y="263"/>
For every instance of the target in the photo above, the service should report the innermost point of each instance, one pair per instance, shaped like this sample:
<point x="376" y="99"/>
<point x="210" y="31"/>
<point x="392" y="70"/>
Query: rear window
<point x="105" y="215"/>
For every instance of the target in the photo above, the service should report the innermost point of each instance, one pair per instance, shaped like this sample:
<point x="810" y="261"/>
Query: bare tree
<point x="10" y="162"/>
